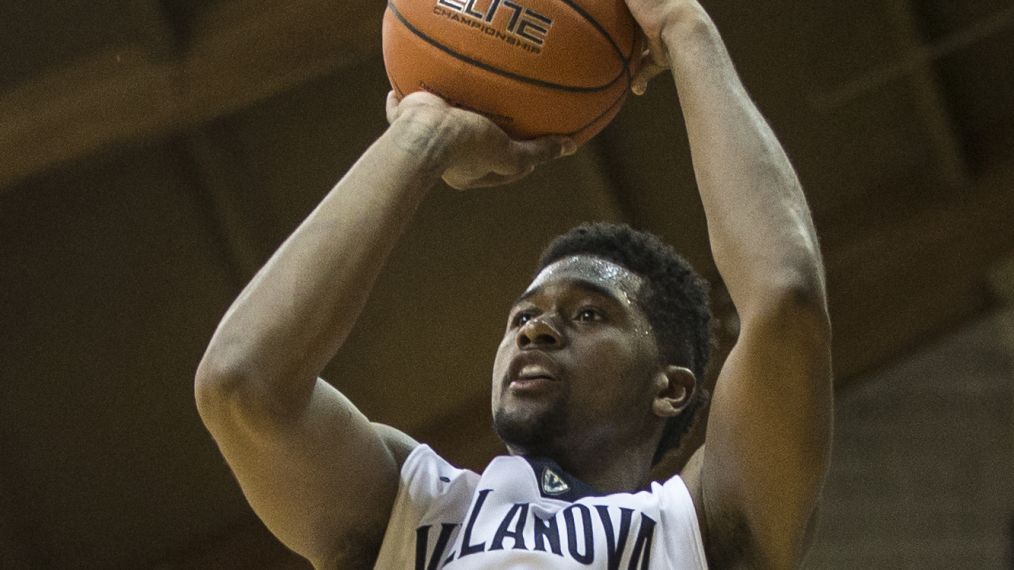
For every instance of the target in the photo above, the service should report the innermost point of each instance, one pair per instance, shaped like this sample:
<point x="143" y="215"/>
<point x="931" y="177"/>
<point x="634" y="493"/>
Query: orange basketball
<point x="535" y="67"/>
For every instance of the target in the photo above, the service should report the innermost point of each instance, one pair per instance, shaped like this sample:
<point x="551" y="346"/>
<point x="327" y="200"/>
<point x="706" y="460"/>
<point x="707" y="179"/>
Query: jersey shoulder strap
<point x="429" y="488"/>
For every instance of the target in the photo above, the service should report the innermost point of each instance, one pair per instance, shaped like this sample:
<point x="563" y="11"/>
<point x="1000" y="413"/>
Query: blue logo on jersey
<point x="552" y="484"/>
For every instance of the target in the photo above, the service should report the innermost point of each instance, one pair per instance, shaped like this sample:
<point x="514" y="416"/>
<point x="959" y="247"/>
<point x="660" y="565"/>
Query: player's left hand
<point x="656" y="17"/>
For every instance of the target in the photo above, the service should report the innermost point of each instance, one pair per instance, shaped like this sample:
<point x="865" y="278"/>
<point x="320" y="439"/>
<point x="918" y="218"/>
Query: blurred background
<point x="153" y="153"/>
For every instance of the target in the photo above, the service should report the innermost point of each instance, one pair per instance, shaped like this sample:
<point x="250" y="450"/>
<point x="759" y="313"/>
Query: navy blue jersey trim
<point x="578" y="489"/>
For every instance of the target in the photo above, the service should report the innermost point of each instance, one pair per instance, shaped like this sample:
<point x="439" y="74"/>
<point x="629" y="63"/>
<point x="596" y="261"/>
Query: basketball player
<point x="596" y="374"/>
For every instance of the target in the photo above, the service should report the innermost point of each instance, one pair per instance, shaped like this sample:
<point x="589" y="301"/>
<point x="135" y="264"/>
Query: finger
<point x="455" y="183"/>
<point x="392" y="106"/>
<point x="530" y="153"/>
<point x="494" y="179"/>
<point x="488" y="181"/>
<point x="649" y="70"/>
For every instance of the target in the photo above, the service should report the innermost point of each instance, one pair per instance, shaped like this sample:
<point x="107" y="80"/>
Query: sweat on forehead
<point x="593" y="270"/>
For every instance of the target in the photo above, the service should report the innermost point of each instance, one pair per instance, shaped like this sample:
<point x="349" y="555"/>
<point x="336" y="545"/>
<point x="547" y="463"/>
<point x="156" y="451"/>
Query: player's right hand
<point x="474" y="151"/>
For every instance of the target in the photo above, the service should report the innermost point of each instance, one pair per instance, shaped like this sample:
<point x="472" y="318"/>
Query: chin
<point x="529" y="430"/>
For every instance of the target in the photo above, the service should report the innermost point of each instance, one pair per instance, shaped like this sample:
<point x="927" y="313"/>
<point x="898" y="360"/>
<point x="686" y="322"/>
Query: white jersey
<point x="524" y="513"/>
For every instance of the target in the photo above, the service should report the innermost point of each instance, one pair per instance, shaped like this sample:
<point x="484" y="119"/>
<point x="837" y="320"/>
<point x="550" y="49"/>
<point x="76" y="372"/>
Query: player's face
<point x="576" y="361"/>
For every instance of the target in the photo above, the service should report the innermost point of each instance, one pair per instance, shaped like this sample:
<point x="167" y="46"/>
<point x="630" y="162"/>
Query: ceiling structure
<point x="154" y="153"/>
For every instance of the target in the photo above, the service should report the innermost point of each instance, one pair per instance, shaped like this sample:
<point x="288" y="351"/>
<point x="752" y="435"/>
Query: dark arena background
<point x="154" y="153"/>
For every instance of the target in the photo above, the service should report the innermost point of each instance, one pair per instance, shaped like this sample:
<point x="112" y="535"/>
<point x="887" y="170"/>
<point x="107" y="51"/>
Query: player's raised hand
<point x="656" y="17"/>
<point x="477" y="153"/>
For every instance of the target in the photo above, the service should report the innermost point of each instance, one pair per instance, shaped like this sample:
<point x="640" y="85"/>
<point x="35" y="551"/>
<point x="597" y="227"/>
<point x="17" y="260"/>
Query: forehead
<point x="590" y="272"/>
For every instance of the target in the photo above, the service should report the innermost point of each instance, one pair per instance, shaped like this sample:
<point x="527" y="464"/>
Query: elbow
<point x="227" y="390"/>
<point x="795" y="296"/>
<point x="215" y="385"/>
<point x="225" y="385"/>
<point x="803" y="290"/>
<point x="227" y="397"/>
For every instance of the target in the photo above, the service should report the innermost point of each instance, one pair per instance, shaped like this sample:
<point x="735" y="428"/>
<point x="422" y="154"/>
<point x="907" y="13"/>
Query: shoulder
<point x="359" y="546"/>
<point x="431" y="492"/>
<point x="424" y="477"/>
<point x="399" y="444"/>
<point x="726" y="537"/>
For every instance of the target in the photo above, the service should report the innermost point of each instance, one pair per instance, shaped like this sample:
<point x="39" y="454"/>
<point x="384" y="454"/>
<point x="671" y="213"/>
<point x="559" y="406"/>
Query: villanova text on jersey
<point x="525" y="513"/>
<point x="570" y="533"/>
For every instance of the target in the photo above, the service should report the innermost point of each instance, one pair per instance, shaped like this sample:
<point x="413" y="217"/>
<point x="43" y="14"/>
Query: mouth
<point x="531" y="373"/>
<point x="530" y="385"/>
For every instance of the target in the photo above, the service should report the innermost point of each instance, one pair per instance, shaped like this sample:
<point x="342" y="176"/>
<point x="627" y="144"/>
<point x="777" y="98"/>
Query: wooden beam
<point x="942" y="133"/>
<point x="1002" y="287"/>
<point x="241" y="53"/>
<point x="901" y="275"/>
<point x="216" y="169"/>
<point x="1001" y="281"/>
<point x="997" y="23"/>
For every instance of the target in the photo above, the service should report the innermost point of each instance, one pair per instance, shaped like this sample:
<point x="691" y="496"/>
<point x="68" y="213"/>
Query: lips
<point x="532" y="371"/>
<point x="530" y="368"/>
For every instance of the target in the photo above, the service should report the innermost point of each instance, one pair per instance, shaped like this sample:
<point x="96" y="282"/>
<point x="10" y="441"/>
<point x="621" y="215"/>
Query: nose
<point x="539" y="333"/>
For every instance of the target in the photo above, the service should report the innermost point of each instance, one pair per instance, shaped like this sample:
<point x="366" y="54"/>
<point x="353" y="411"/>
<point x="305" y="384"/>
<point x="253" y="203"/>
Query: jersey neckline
<point x="555" y="483"/>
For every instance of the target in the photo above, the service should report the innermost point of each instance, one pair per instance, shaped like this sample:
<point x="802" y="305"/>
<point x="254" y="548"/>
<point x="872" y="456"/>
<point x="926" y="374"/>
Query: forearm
<point x="301" y="306"/>
<point x="759" y="225"/>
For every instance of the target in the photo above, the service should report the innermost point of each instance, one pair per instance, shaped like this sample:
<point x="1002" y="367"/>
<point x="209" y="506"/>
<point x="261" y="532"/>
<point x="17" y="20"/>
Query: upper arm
<point x="320" y="475"/>
<point x="769" y="431"/>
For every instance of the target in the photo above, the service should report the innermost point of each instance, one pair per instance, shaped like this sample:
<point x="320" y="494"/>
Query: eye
<point x="588" y="314"/>
<point x="520" y="318"/>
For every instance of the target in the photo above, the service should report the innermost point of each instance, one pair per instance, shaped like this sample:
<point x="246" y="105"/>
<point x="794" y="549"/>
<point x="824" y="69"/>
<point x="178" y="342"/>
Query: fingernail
<point x="569" y="147"/>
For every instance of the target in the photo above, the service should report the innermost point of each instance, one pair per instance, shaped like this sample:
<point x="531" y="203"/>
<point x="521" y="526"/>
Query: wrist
<point x="426" y="133"/>
<point x="686" y="25"/>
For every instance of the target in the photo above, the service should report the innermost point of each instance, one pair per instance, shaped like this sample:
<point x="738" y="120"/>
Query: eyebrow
<point x="584" y="284"/>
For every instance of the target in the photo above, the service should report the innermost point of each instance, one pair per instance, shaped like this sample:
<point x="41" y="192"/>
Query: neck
<point x="610" y="469"/>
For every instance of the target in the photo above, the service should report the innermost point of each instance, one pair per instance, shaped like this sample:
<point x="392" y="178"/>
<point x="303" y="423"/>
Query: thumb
<point x="391" y="107"/>
<point x="650" y="69"/>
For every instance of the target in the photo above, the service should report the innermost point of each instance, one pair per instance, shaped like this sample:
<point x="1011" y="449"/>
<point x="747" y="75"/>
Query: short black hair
<point x="675" y="301"/>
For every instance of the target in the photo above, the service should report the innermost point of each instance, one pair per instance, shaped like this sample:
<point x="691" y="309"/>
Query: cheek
<point x="501" y="360"/>
<point x="617" y="374"/>
<point x="594" y="369"/>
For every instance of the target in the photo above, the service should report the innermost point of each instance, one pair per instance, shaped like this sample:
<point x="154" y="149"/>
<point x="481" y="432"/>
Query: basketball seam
<point x="595" y="24"/>
<point x="511" y="75"/>
<point x="611" y="106"/>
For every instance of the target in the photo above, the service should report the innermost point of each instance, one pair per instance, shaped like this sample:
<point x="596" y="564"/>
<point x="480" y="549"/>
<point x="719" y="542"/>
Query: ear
<point x="674" y="385"/>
